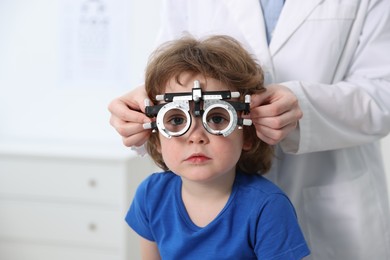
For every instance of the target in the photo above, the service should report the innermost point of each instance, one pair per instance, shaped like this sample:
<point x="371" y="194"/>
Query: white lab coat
<point x="335" y="56"/>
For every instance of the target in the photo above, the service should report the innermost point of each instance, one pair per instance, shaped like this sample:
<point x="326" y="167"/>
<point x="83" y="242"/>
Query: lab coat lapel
<point x="289" y="21"/>
<point x="250" y="22"/>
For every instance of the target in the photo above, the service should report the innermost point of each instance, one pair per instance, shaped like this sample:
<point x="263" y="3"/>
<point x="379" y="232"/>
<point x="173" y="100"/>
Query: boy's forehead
<point x="187" y="83"/>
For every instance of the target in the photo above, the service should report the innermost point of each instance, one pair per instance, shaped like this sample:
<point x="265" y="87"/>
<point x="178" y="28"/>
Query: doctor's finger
<point x="276" y="108"/>
<point x="261" y="98"/>
<point x="121" y="111"/>
<point x="126" y="129"/>
<point x="273" y="136"/>
<point x="273" y="92"/>
<point x="136" y="139"/>
<point x="279" y="121"/>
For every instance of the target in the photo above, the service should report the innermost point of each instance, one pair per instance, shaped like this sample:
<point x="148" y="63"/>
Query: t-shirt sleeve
<point x="137" y="216"/>
<point x="279" y="236"/>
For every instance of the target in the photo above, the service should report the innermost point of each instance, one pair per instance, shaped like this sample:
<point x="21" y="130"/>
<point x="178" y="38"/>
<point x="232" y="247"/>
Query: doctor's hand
<point x="127" y="118"/>
<point x="275" y="113"/>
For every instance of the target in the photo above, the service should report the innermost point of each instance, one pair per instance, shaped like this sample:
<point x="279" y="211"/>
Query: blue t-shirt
<point x="257" y="222"/>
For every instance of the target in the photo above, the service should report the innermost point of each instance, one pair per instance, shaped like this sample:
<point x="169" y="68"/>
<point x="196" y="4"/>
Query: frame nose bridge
<point x="196" y="122"/>
<point x="196" y="132"/>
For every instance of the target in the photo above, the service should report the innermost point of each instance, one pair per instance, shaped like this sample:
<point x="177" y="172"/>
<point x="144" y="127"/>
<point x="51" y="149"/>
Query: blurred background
<point x="65" y="178"/>
<point x="62" y="61"/>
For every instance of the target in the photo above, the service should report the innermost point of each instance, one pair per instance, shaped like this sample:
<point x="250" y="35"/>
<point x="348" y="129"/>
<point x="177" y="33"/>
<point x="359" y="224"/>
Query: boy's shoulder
<point x="256" y="191"/>
<point x="161" y="177"/>
<point x="158" y="182"/>
<point x="257" y="183"/>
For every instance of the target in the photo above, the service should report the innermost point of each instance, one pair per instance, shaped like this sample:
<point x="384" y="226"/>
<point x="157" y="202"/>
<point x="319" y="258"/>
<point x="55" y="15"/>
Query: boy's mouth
<point x="197" y="158"/>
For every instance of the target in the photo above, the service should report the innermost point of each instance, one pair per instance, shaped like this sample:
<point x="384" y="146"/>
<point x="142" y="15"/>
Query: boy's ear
<point x="247" y="144"/>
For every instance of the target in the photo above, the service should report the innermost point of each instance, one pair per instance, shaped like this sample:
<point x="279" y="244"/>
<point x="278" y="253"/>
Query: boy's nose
<point x="197" y="133"/>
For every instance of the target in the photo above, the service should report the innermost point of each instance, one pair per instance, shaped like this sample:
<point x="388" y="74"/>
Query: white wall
<point x="37" y="98"/>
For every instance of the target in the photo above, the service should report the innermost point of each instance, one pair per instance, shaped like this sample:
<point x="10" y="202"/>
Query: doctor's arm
<point x="355" y="108"/>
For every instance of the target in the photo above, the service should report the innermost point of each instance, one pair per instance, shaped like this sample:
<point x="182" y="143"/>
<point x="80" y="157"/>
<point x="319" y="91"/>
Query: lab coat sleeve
<point x="355" y="109"/>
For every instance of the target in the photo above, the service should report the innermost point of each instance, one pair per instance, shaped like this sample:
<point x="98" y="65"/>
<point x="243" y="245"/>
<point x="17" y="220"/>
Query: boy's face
<point x="198" y="155"/>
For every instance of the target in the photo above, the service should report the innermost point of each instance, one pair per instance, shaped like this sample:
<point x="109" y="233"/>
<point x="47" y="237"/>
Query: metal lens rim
<point x="211" y="104"/>
<point x="180" y="105"/>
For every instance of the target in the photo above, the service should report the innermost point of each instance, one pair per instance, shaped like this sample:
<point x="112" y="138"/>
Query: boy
<point x="211" y="202"/>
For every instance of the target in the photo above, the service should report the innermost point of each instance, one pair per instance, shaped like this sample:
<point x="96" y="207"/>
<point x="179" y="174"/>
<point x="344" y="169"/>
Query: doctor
<point x="332" y="58"/>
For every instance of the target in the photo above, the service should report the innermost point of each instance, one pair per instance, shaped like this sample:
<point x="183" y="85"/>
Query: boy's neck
<point x="208" y="190"/>
<point x="204" y="201"/>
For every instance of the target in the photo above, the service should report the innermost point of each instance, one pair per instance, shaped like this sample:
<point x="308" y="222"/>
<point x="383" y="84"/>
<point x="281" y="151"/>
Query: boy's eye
<point x="177" y="121"/>
<point x="216" y="119"/>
